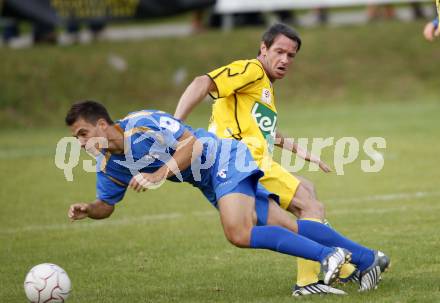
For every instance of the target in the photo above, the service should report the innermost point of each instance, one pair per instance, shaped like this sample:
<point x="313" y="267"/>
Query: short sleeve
<point x="235" y="77"/>
<point x="109" y="190"/>
<point x="169" y="124"/>
<point x="157" y="139"/>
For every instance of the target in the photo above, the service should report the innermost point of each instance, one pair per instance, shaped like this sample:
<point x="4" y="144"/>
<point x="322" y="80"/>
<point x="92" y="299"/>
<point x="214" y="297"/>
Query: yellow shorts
<point x="279" y="181"/>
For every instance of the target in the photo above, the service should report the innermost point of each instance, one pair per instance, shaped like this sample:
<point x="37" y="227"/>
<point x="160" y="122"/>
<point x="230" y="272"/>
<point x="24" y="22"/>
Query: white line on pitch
<point x="92" y="224"/>
<point x="170" y="216"/>
<point x="386" y="197"/>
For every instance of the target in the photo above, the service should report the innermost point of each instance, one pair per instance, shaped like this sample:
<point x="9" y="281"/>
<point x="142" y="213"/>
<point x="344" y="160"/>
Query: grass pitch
<point x="167" y="245"/>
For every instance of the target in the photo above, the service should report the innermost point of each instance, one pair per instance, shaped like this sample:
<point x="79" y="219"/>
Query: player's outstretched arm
<point x="94" y="210"/>
<point x="193" y="95"/>
<point x="290" y="145"/>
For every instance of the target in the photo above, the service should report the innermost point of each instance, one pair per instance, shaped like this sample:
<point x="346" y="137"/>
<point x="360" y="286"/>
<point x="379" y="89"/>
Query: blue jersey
<point x="150" y="140"/>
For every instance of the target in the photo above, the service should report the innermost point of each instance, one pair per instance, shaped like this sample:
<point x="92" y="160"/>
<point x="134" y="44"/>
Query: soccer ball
<point x="47" y="283"/>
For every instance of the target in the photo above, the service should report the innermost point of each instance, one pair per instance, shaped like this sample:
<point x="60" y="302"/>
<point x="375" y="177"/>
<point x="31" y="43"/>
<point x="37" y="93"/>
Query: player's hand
<point x="137" y="182"/>
<point x="78" y="211"/>
<point x="144" y="181"/>
<point x="429" y="31"/>
<point x="324" y="167"/>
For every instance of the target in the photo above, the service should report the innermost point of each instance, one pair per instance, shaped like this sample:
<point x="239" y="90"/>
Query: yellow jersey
<point x="244" y="106"/>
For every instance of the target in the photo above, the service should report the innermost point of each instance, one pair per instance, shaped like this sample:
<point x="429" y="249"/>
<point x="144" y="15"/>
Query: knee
<point x="317" y="209"/>
<point x="240" y="237"/>
<point x="314" y="209"/>
<point x="320" y="208"/>
<point x="310" y="187"/>
<point x="306" y="204"/>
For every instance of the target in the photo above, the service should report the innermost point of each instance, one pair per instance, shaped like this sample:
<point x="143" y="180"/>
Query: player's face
<point x="84" y="131"/>
<point x="278" y="58"/>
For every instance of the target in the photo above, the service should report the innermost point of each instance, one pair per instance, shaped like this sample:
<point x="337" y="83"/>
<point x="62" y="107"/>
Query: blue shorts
<point x="226" y="178"/>
<point x="251" y="187"/>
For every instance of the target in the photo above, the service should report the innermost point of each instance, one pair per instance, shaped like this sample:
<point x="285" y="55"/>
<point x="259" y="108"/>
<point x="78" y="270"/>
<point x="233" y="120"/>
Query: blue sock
<point x="282" y="240"/>
<point x="361" y="256"/>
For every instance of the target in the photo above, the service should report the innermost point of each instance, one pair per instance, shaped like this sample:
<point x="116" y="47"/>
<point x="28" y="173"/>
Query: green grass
<point x="167" y="245"/>
<point x="370" y="64"/>
<point x="161" y="246"/>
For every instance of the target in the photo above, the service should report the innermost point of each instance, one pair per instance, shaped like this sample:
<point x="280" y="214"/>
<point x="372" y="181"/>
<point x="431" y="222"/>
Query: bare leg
<point x="309" y="186"/>
<point x="305" y="205"/>
<point x="237" y="215"/>
<point x="278" y="216"/>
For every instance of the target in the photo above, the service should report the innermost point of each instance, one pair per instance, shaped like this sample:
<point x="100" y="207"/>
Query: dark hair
<point x="280" y="29"/>
<point x="90" y="111"/>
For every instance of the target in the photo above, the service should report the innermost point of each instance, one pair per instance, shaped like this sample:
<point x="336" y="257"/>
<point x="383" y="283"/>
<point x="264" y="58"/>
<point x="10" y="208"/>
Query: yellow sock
<point x="346" y="270"/>
<point x="308" y="271"/>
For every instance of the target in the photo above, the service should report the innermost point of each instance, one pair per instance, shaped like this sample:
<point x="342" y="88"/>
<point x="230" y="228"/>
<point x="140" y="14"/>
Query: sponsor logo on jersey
<point x="267" y="122"/>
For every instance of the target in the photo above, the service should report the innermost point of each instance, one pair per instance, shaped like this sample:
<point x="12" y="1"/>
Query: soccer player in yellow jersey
<point x="245" y="109"/>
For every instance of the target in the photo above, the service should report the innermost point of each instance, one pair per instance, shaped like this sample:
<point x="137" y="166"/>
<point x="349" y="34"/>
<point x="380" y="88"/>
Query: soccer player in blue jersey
<point x="146" y="147"/>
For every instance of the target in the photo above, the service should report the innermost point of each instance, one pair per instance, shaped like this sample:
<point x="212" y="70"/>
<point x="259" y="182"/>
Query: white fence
<point x="241" y="6"/>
